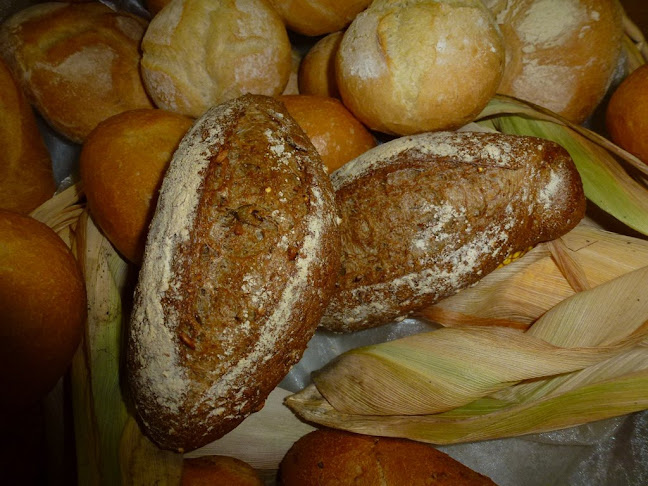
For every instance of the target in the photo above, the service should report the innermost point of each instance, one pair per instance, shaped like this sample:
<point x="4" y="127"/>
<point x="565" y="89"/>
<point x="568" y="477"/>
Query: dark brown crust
<point x="328" y="457"/>
<point x="265" y="221"/>
<point x="440" y="211"/>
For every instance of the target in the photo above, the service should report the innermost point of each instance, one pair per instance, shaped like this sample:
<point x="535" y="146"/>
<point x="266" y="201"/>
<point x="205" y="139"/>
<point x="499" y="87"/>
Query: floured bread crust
<point x="240" y="261"/>
<point x="427" y="215"/>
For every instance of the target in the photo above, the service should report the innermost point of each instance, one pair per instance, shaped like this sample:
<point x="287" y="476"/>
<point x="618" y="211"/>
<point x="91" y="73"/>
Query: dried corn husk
<point x="404" y="387"/>
<point x="634" y="45"/>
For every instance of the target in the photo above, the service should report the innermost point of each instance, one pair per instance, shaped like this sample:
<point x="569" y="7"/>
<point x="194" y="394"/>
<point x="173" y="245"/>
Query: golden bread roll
<point x="218" y="470"/>
<point x="240" y="261"/>
<point x="199" y="53"/>
<point x="122" y="164"/>
<point x="43" y="308"/>
<point x="328" y="457"/>
<point x="427" y="215"/>
<point x="77" y="63"/>
<point x="26" y="178"/>
<point x="336" y="134"/>
<point x="421" y="65"/>
<point x="317" y="17"/>
<point x="627" y="114"/>
<point x="292" y="87"/>
<point x="560" y="54"/>
<point x="317" y="69"/>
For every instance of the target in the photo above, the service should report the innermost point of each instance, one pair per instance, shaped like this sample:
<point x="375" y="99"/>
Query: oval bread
<point x="239" y="264"/>
<point x="426" y="215"/>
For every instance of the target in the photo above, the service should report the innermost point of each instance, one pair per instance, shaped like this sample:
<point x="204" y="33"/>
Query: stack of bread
<point x="256" y="207"/>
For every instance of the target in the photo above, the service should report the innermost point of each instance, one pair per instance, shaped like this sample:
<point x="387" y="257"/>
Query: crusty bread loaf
<point x="42" y="309"/>
<point x="317" y="17"/>
<point x="560" y="54"/>
<point x="77" y="63"/>
<point x="317" y="68"/>
<point x="215" y="470"/>
<point x="26" y="178"/>
<point x="199" y="53"/>
<point x="421" y="65"/>
<point x="328" y="457"/>
<point x="426" y="215"/>
<point x="239" y="263"/>
<point x="122" y="164"/>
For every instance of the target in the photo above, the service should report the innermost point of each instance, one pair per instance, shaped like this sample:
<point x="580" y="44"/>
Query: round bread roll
<point x="336" y="134"/>
<point x="122" y="164"/>
<point x="418" y="66"/>
<point x="26" y="178"/>
<point x="318" y="17"/>
<point x="332" y="457"/>
<point x="317" y="69"/>
<point x="77" y="63"/>
<point x="627" y="114"/>
<point x="560" y="54"/>
<point x="43" y="308"/>
<point x="215" y="470"/>
<point x="200" y="53"/>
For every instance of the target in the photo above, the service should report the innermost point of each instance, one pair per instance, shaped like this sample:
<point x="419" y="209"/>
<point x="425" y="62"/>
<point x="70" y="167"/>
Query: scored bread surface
<point x="426" y="215"/>
<point x="240" y="261"/>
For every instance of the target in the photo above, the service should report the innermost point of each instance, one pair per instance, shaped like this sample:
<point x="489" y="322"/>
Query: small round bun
<point x="336" y="134"/>
<point x="26" y="178"/>
<point x="560" y="54"/>
<point x="215" y="470"/>
<point x="318" y="17"/>
<point x="200" y="53"/>
<point x="418" y="66"/>
<point x="43" y="308"/>
<point x="77" y="63"/>
<point x="331" y="457"/>
<point x="627" y="114"/>
<point x="317" y="69"/>
<point x="122" y="165"/>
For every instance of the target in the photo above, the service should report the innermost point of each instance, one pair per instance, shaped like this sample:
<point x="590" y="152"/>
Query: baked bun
<point x="77" y="63"/>
<point x="317" y="68"/>
<point x="292" y="87"/>
<point x="427" y="215"/>
<point x="122" y="164"/>
<point x="560" y="54"/>
<point x="239" y="263"/>
<point x="199" y="53"/>
<point x="26" y="178"/>
<point x="337" y="135"/>
<point x="332" y="457"/>
<point x="421" y="65"/>
<point x="318" y="17"/>
<point x="215" y="470"/>
<point x="627" y="114"/>
<point x="43" y="309"/>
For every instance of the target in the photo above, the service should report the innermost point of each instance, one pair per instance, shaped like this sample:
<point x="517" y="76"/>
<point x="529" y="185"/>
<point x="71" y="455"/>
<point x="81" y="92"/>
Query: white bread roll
<point x="199" y="53"/>
<point x="560" y="54"/>
<point x="420" y="65"/>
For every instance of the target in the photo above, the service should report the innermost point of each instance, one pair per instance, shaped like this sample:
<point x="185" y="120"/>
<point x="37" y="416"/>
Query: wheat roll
<point x="317" y="68"/>
<point x="318" y="17"/>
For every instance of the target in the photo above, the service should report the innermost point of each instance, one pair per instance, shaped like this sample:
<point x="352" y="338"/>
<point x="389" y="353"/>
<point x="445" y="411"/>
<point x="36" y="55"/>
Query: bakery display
<point x="26" y="178"/>
<point x="560" y="54"/>
<point x="122" y="164"/>
<point x="199" y="53"/>
<point x="427" y="215"/>
<point x="396" y="60"/>
<point x="43" y="309"/>
<point x="78" y="63"/>
<point x="239" y="263"/>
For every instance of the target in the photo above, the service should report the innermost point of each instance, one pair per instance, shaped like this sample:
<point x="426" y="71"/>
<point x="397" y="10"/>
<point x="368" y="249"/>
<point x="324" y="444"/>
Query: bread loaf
<point x="26" y="178"/>
<point x="239" y="263"/>
<point x="560" y="54"/>
<point x="426" y="215"/>
<point x="328" y="457"/>
<point x="77" y="63"/>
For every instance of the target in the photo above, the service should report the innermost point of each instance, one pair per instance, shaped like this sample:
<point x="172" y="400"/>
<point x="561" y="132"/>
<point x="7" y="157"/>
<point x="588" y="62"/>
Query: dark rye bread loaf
<point x="427" y="215"/>
<point x="239" y="264"/>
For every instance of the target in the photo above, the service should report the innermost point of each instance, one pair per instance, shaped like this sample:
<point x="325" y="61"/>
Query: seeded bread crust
<point x="427" y="215"/>
<point x="239" y="264"/>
